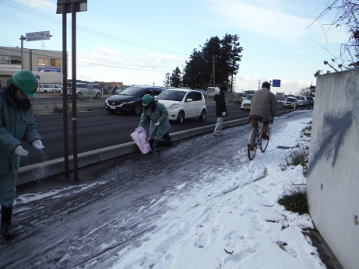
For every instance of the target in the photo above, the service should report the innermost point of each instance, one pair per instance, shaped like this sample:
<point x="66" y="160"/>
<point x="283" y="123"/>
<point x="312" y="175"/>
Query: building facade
<point x="46" y="65"/>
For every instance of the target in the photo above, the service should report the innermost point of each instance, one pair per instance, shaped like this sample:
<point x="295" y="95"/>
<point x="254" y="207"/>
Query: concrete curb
<point x="53" y="167"/>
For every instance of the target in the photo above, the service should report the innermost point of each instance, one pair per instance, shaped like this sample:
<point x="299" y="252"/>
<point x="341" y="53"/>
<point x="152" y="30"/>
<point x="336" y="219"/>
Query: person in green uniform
<point x="16" y="127"/>
<point x="156" y="113"/>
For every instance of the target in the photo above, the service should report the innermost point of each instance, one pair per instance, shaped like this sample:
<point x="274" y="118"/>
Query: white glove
<point x="224" y="114"/>
<point x="37" y="144"/>
<point x="157" y="124"/>
<point x="19" y="150"/>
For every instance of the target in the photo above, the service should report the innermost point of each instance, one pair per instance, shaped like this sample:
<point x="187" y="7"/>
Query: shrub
<point x="295" y="200"/>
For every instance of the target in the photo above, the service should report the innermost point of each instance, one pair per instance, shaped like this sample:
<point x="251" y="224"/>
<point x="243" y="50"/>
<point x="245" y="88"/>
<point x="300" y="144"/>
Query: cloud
<point x="46" y="4"/>
<point x="263" y="17"/>
<point x="109" y="64"/>
<point x="269" y="18"/>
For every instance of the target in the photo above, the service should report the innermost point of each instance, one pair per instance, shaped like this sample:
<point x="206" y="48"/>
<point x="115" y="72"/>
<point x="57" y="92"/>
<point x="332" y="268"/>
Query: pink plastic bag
<point x="140" y="138"/>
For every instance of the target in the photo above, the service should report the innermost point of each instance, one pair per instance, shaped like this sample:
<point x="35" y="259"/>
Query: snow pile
<point x="230" y="218"/>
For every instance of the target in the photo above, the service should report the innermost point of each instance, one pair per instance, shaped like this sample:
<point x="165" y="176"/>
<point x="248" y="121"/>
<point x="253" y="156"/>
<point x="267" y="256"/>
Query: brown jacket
<point x="263" y="104"/>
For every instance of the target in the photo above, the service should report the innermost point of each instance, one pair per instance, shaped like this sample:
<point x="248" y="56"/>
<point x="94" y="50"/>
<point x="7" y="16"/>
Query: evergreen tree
<point x="224" y="54"/>
<point x="176" y="80"/>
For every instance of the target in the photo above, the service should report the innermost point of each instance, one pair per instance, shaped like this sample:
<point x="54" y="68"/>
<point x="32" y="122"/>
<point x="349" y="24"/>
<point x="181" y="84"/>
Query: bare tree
<point x="346" y="15"/>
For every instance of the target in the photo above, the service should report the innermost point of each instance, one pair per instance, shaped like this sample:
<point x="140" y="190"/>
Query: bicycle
<point x="255" y="140"/>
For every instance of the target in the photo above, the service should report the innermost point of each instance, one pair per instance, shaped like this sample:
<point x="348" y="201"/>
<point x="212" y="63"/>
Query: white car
<point x="290" y="102"/>
<point x="87" y="90"/>
<point x="49" y="88"/>
<point x="246" y="103"/>
<point x="301" y="100"/>
<point x="183" y="104"/>
<point x="212" y="91"/>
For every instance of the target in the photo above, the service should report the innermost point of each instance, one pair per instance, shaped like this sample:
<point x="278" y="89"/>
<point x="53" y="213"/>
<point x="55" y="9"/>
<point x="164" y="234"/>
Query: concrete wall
<point x="333" y="182"/>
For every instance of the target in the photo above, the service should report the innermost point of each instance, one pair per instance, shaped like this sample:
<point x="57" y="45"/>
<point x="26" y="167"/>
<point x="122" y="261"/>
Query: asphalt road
<point x="98" y="129"/>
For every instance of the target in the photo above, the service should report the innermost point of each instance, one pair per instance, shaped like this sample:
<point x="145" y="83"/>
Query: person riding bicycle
<point x="263" y="108"/>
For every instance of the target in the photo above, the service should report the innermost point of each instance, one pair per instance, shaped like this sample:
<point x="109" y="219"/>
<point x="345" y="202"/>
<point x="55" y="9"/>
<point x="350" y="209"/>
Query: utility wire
<point x="96" y="33"/>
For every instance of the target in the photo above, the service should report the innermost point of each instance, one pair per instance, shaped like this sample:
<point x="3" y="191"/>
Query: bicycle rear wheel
<point x="264" y="142"/>
<point x="251" y="153"/>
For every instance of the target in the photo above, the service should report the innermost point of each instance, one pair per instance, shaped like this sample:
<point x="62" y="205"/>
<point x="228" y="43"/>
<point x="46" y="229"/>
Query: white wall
<point x="333" y="182"/>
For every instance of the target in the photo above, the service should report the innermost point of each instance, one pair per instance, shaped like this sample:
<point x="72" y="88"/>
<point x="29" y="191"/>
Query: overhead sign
<point x="276" y="82"/>
<point x="44" y="35"/>
<point x="80" y="5"/>
<point x="49" y="69"/>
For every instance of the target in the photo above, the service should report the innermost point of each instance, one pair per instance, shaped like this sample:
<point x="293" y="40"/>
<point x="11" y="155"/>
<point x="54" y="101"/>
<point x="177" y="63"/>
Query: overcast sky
<point x="138" y="42"/>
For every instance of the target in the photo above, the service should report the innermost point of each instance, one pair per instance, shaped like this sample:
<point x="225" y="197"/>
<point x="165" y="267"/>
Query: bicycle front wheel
<point x="264" y="143"/>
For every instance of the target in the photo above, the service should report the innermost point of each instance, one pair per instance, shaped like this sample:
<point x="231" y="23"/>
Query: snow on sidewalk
<point x="230" y="218"/>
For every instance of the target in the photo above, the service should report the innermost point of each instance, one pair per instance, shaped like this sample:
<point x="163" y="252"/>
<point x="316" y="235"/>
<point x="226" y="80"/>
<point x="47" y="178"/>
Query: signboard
<point x="10" y="67"/>
<point x="276" y="82"/>
<point x="49" y="69"/>
<point x="44" y="35"/>
<point x="81" y="5"/>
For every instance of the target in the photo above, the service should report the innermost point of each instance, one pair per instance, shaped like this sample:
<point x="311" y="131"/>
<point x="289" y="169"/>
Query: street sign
<point x="44" y="35"/>
<point x="81" y="5"/>
<point x="276" y="82"/>
<point x="49" y="69"/>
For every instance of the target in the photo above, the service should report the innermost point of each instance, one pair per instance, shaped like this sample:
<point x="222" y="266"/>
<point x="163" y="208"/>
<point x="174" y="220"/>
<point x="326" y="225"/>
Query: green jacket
<point x="16" y="126"/>
<point x="159" y="114"/>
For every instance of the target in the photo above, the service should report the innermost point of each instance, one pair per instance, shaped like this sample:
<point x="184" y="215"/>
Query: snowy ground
<point x="230" y="218"/>
<point x="201" y="204"/>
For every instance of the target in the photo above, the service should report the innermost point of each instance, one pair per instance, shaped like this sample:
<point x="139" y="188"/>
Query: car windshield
<point x="291" y="99"/>
<point x="249" y="97"/>
<point x="171" y="95"/>
<point x="133" y="91"/>
<point x="81" y="86"/>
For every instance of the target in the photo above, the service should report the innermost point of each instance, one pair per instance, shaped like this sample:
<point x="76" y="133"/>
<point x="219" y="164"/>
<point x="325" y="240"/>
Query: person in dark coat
<point x="221" y="110"/>
<point x="16" y="126"/>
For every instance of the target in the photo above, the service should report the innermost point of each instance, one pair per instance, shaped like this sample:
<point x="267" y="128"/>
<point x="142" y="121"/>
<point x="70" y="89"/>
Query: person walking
<point x="221" y="110"/>
<point x="263" y="109"/>
<point x="16" y="126"/>
<point x="156" y="114"/>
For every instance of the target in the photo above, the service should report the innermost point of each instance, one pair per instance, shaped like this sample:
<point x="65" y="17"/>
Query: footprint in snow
<point x="201" y="241"/>
<point x="284" y="247"/>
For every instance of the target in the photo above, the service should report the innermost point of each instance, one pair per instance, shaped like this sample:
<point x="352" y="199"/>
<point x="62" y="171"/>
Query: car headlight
<point x="173" y="106"/>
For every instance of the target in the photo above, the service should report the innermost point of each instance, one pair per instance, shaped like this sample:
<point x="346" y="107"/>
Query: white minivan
<point x="183" y="104"/>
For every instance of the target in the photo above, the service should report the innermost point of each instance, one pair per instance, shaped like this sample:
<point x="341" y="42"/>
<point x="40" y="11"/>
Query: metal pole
<point x="64" y="89"/>
<point x="214" y="72"/>
<point x="22" y="38"/>
<point x="74" y="110"/>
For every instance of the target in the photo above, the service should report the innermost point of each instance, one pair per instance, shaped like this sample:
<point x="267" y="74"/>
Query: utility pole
<point x="22" y="38"/>
<point x="72" y="6"/>
<point x="214" y="71"/>
<point x="64" y="91"/>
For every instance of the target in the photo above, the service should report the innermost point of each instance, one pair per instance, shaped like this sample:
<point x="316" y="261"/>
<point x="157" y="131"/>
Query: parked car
<point x="49" y="88"/>
<point x="87" y="90"/>
<point x="130" y="99"/>
<point x="290" y="102"/>
<point x="301" y="100"/>
<point x="184" y="104"/>
<point x="247" y="102"/>
<point x="212" y="91"/>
